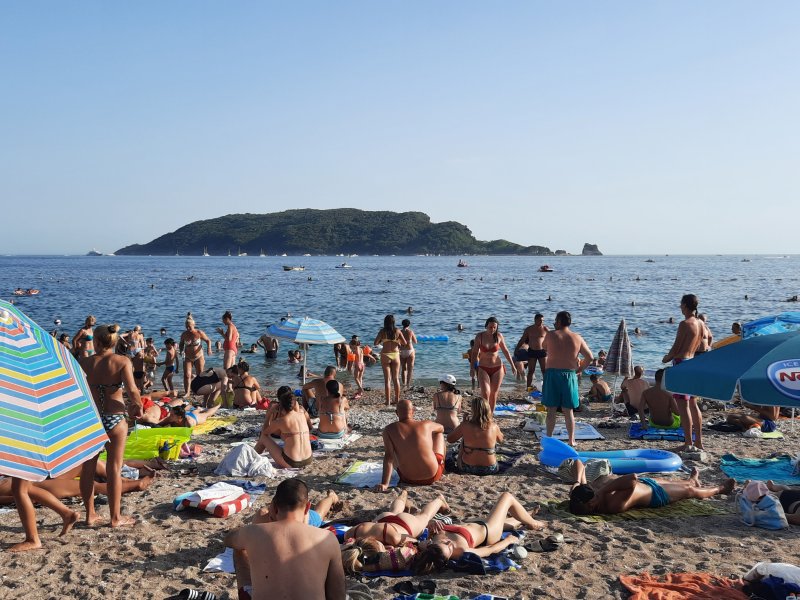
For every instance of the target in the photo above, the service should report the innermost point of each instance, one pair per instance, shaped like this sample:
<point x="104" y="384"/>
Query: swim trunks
<point x="659" y="497"/>
<point x="608" y="397"/>
<point x="520" y="355"/>
<point x="436" y="476"/>
<point x="560" y="389"/>
<point x="169" y="369"/>
<point x="296" y="464"/>
<point x="272" y="354"/>
<point x="537" y="354"/>
<point x="676" y="423"/>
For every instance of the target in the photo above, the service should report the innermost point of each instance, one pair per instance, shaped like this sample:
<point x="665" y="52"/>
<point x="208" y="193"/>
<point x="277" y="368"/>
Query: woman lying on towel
<point x="369" y="554"/>
<point x="611" y="494"/>
<point x="293" y="428"/>
<point x="450" y="542"/>
<point x="394" y="526"/>
<point x="479" y="435"/>
<point x="789" y="498"/>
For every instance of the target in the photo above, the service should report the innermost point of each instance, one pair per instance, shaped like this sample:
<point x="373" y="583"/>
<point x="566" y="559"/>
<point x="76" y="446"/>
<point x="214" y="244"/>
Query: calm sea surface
<point x="599" y="291"/>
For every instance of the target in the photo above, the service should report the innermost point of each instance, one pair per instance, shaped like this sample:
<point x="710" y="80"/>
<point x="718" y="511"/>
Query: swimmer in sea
<point x="82" y="341"/>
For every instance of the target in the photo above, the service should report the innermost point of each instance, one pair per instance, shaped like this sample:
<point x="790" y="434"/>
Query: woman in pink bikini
<point x="231" y="344"/>
<point x="394" y="527"/>
<point x="488" y="344"/>
<point x="449" y="542"/>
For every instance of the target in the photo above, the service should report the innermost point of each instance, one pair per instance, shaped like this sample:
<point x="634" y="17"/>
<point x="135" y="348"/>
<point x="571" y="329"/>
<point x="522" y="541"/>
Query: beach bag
<point x="767" y="513"/>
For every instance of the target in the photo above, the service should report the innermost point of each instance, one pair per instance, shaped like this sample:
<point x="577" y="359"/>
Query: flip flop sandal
<point x="405" y="588"/>
<point x="187" y="594"/>
<point x="427" y="586"/>
<point x="548" y="544"/>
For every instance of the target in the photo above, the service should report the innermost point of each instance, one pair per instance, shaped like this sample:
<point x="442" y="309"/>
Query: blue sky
<point x="643" y="127"/>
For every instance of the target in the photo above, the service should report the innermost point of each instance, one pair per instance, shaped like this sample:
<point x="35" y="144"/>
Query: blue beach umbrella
<point x="786" y="321"/>
<point x="765" y="369"/>
<point x="305" y="331"/>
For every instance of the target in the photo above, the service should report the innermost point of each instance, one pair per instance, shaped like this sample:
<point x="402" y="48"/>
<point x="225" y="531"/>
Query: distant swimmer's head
<point x="290" y="495"/>
<point x="90" y="321"/>
<point x="563" y="319"/>
<point x="227" y="317"/>
<point x="105" y="336"/>
<point x="330" y="371"/>
<point x="581" y="500"/>
<point x="57" y="322"/>
<point x="405" y="409"/>
<point x="736" y="328"/>
<point x="163" y="331"/>
<point x="538" y="318"/>
<point x="406" y="323"/>
<point x="690" y="302"/>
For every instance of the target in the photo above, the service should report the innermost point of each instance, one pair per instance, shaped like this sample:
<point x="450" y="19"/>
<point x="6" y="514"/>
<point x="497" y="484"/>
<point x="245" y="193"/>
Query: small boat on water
<point x="293" y="268"/>
<point x="461" y="263"/>
<point x="205" y="251"/>
<point x="650" y="260"/>
<point x="745" y="260"/>
<point x="545" y="269"/>
<point x="262" y="253"/>
<point x="241" y="253"/>
<point x="94" y="252"/>
<point x="344" y="265"/>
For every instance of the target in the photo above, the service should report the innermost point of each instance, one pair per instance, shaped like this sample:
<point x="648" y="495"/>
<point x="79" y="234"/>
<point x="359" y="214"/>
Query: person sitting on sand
<point x="415" y="448"/>
<point x="209" y="384"/>
<point x="612" y="494"/>
<point x="447" y="403"/>
<point x="316" y="388"/>
<point x="599" y="392"/>
<point x="479" y="435"/>
<point x="632" y="389"/>
<point x="285" y="557"/>
<point x="789" y="498"/>
<point x="450" y="542"/>
<point x="245" y="386"/>
<point x="395" y="526"/>
<point x="333" y="413"/>
<point x="293" y="428"/>
<point x="765" y="418"/>
<point x="661" y="404"/>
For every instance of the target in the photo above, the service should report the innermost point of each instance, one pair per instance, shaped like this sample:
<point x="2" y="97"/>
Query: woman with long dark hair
<point x="488" y="344"/>
<point x="391" y="340"/>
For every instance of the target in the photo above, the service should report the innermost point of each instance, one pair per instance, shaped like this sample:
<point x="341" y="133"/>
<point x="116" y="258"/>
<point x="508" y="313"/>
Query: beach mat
<point x="507" y="459"/>
<point x="366" y="474"/>
<point x="513" y="410"/>
<point x="679" y="510"/>
<point x="654" y="433"/>
<point x="679" y="586"/>
<point x="334" y="445"/>
<point x="583" y="431"/>
<point x="144" y="444"/>
<point x="777" y="469"/>
<point x="214" y="422"/>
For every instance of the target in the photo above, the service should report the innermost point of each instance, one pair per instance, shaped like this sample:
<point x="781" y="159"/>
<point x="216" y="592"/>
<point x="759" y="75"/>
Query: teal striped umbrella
<point x="305" y="331"/>
<point x="48" y="419"/>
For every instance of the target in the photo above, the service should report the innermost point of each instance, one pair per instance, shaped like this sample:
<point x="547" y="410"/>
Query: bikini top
<point x="462" y="531"/>
<point x="453" y="408"/>
<point x="101" y="391"/>
<point x="332" y="414"/>
<point x="471" y="449"/>
<point x="88" y="337"/>
<point x="494" y="348"/>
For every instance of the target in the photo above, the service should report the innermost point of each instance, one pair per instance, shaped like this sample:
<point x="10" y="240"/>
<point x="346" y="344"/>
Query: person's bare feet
<point x="26" y="546"/>
<point x="145" y="482"/>
<point x="92" y="522"/>
<point x="445" y="507"/>
<point x="770" y="486"/>
<point x="694" y="477"/>
<point x="124" y="521"/>
<point x="536" y="525"/>
<point x="69" y="522"/>
<point x="728" y="486"/>
<point x="679" y="449"/>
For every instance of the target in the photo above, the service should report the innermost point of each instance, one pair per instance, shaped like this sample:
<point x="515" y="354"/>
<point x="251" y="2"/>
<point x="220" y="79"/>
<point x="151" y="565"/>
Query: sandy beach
<point x="168" y="550"/>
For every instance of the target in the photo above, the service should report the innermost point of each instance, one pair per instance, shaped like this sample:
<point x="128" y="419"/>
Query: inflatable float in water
<point x="639" y="460"/>
<point x="433" y="338"/>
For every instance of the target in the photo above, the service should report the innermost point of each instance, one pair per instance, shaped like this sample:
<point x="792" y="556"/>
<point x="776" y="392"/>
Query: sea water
<point x="157" y="292"/>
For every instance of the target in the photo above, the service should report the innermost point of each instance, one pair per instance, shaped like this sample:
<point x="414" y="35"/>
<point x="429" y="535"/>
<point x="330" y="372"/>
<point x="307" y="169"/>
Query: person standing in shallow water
<point x="231" y="344"/>
<point x="391" y="340"/>
<point x="687" y="341"/>
<point x="407" y="355"/>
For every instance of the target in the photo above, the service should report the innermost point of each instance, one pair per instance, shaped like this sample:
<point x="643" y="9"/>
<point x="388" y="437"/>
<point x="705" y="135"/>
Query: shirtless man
<point x="415" y="448"/>
<point x="269" y="344"/>
<point x="687" y="340"/>
<point x="534" y="337"/>
<point x="632" y="391"/>
<point x="286" y="558"/>
<point x="662" y="405"/>
<point x="610" y="494"/>
<point x="560" y="387"/>
<point x="599" y="392"/>
<point x="316" y="388"/>
<point x="707" y="339"/>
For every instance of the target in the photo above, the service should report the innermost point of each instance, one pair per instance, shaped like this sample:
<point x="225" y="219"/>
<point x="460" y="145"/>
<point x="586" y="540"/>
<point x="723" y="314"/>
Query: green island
<point x="326" y="232"/>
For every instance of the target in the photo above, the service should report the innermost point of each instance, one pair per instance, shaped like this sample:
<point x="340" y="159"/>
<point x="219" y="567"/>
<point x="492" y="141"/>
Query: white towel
<point x="222" y="563"/>
<point x="366" y="474"/>
<point x="244" y="461"/>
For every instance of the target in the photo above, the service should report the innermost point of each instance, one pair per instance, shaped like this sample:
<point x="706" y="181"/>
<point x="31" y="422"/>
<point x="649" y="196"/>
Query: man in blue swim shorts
<point x="560" y="388"/>
<point x="612" y="495"/>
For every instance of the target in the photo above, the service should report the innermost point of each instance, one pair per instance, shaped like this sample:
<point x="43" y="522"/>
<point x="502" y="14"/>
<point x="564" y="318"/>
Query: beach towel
<point x="166" y="442"/>
<point x="366" y="474"/>
<point x="334" y="445"/>
<point x="513" y="410"/>
<point x="222" y="563"/>
<point x="213" y="423"/>
<point x="254" y="489"/>
<point x="680" y="586"/>
<point x="220" y="500"/>
<point x="777" y="469"/>
<point x="244" y="461"/>
<point x="583" y="431"/>
<point x="680" y="510"/>
<point x="654" y="433"/>
<point x="505" y="460"/>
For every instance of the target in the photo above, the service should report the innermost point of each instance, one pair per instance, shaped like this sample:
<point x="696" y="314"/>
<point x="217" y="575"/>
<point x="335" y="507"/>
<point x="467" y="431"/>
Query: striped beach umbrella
<point x="305" y="331"/>
<point x="48" y="421"/>
<point x="619" y="360"/>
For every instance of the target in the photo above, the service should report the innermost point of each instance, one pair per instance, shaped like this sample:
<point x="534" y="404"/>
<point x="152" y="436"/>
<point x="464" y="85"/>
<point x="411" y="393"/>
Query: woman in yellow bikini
<point x="488" y="344"/>
<point x="391" y="339"/>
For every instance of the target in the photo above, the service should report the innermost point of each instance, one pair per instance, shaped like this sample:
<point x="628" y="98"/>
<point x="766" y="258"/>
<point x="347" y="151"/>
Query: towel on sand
<point x="334" y="445"/>
<point x="654" y="433"/>
<point x="513" y="410"/>
<point x="365" y="474"/>
<point x="777" y="469"/>
<point x="220" y="500"/>
<point x="222" y="563"/>
<point x="680" y="586"/>
<point x="244" y="461"/>
<point x="583" y="431"/>
<point x="213" y="423"/>
<point x="682" y="509"/>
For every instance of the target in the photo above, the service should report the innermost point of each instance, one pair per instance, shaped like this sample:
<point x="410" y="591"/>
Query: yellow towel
<point x="212" y="423"/>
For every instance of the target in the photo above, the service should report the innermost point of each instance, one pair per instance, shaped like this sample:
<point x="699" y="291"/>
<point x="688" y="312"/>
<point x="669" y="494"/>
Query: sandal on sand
<point x="187" y="594"/>
<point x="548" y="544"/>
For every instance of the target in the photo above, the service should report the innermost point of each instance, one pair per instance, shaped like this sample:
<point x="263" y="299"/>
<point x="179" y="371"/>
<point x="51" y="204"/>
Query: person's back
<point x="562" y="347"/>
<point x="294" y="432"/>
<point x="632" y="388"/>
<point x="332" y="416"/>
<point x="415" y="448"/>
<point x="446" y="406"/>
<point x="661" y="405"/>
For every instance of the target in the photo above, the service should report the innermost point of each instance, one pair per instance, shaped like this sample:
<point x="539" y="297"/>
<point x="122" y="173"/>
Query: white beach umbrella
<point x="305" y="331"/>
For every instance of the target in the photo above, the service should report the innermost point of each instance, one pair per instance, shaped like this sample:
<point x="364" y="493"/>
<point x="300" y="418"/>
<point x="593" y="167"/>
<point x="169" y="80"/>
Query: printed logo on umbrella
<point x="784" y="375"/>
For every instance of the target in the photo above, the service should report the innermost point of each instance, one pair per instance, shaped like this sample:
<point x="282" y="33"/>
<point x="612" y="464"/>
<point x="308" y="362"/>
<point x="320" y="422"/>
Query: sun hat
<point x="449" y="379"/>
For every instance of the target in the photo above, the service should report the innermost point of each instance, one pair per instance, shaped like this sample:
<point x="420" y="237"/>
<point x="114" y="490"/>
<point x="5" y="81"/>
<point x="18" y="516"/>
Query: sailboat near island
<point x="205" y="251"/>
<point x="241" y="253"/>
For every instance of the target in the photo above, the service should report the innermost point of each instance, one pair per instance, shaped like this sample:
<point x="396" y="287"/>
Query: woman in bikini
<point x="333" y="413"/>
<point x="488" y="344"/>
<point x="479" y="437"/>
<point x="391" y="339"/>
<point x="357" y="353"/>
<point x="209" y="384"/>
<point x="293" y="428"/>
<point x="449" y="542"/>
<point x="447" y="403"/>
<point x="83" y="341"/>
<point x="191" y="346"/>
<point x="394" y="527"/>
<point x="106" y="374"/>
<point x="245" y="386"/>
<point x="407" y="355"/>
<point x="231" y="344"/>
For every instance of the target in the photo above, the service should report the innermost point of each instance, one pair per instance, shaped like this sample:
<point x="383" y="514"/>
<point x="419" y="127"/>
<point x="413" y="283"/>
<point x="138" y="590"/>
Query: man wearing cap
<point x="415" y="448"/>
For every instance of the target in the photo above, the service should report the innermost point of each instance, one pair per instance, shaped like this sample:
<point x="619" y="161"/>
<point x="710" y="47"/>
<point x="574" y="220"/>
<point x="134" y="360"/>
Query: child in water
<point x="171" y="362"/>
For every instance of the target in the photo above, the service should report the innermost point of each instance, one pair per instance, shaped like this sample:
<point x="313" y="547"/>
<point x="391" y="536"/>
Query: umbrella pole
<point x="305" y="358"/>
